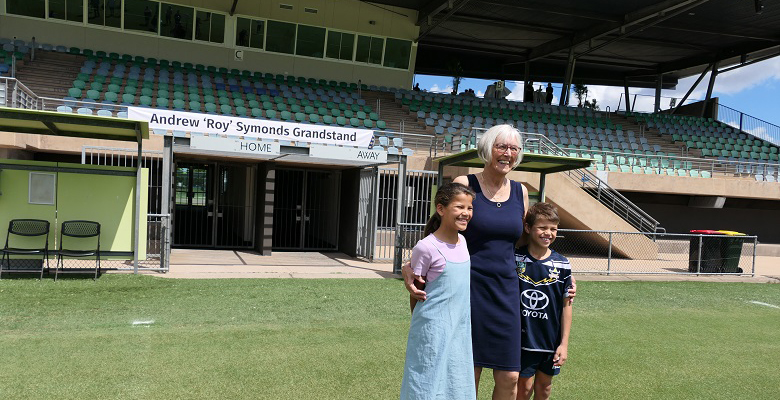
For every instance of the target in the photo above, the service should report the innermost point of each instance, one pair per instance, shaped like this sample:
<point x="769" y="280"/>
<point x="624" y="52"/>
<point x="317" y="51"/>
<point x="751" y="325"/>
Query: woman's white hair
<point x="488" y="139"/>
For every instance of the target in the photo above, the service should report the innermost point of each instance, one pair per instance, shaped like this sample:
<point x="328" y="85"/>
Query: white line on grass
<point x="143" y="323"/>
<point x="764" y="304"/>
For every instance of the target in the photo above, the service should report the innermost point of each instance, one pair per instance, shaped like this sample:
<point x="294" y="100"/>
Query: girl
<point x="439" y="362"/>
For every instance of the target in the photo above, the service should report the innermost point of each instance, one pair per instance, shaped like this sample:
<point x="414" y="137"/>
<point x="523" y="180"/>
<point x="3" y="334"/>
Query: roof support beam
<point x="431" y="10"/>
<point x="432" y="25"/>
<point x="233" y="7"/>
<point x="646" y="14"/>
<point x="688" y="93"/>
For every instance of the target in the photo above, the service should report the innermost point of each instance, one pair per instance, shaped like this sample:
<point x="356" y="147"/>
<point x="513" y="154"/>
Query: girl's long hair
<point x="444" y="196"/>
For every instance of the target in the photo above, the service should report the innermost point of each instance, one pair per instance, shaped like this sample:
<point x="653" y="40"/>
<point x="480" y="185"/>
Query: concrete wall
<point x="717" y="186"/>
<point x="107" y="199"/>
<point x="347" y="15"/>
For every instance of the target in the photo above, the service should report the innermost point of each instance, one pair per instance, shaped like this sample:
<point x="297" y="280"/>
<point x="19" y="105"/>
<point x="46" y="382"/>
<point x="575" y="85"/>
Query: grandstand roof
<point x="71" y="125"/>
<point x="612" y="40"/>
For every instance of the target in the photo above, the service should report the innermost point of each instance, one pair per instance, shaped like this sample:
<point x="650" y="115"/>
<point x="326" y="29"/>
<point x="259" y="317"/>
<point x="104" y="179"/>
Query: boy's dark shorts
<point x="532" y="361"/>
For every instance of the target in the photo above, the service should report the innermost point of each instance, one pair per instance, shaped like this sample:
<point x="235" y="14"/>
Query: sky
<point x="751" y="89"/>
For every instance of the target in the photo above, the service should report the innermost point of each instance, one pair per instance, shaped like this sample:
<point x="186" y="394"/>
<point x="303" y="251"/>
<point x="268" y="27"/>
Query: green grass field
<point x="345" y="339"/>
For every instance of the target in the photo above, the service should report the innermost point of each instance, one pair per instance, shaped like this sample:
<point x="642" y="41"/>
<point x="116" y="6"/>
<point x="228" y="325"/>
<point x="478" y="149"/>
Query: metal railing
<point x="747" y="123"/>
<point x="612" y="252"/>
<point x="17" y="95"/>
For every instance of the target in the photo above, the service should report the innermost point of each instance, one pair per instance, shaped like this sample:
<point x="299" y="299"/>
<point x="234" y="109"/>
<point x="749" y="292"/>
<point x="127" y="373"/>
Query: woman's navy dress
<point x="495" y="289"/>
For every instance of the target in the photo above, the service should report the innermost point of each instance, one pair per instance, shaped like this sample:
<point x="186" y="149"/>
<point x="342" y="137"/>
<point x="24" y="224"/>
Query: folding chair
<point x="78" y="232"/>
<point x="29" y="228"/>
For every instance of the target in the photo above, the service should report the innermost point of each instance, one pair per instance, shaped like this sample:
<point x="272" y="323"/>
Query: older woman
<point x="497" y="224"/>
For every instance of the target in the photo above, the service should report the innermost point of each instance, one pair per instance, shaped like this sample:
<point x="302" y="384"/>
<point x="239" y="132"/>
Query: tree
<point x="581" y="92"/>
<point x="591" y="104"/>
<point x="456" y="71"/>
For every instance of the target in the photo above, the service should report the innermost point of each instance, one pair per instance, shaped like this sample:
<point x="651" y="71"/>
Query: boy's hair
<point x="542" y="210"/>
<point x="444" y="196"/>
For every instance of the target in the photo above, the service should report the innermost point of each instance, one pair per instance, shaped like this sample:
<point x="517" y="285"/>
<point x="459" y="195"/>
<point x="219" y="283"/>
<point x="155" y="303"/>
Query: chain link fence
<point x="609" y="252"/>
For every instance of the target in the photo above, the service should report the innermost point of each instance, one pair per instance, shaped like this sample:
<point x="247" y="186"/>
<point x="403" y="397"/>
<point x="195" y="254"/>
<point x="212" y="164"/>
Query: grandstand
<point x="349" y="65"/>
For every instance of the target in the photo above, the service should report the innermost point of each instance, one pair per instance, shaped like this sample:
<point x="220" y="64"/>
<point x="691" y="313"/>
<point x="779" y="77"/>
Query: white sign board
<point x="348" y="153"/>
<point x="234" y="145"/>
<point x="250" y="127"/>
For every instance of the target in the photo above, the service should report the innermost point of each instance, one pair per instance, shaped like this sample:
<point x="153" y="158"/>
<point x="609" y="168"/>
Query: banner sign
<point x="234" y="145"/>
<point x="250" y="127"/>
<point x="348" y="153"/>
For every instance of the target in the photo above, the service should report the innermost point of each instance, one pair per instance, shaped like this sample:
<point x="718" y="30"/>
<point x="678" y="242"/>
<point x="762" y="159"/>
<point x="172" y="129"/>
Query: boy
<point x="546" y="309"/>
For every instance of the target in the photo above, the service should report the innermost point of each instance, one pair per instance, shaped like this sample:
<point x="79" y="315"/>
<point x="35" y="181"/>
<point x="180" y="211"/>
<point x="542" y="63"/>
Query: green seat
<point x="114" y="88"/>
<point x="254" y="104"/>
<point x="368" y="123"/>
<point x="241" y="111"/>
<point x="373" y="116"/>
<point x="131" y="90"/>
<point x="163" y="94"/>
<point x="270" y="114"/>
<point x="226" y="109"/>
<point x="327" y="120"/>
<point x="211" y="107"/>
<point x="354" y="122"/>
<point x="128" y="98"/>
<point x="96" y="86"/>
<point x="257" y="112"/>
<point x="147" y="92"/>
<point x="74" y="92"/>
<point x="209" y="99"/>
<point x="335" y="112"/>
<point x="224" y="101"/>
<point x="314" y="118"/>
<point x="381" y="125"/>
<point x="161" y="103"/>
<point x="79" y="84"/>
<point x="178" y="95"/>
<point x="194" y="97"/>
<point x="285" y="116"/>
<point x="177" y="103"/>
<point x="300" y="117"/>
<point x="238" y="102"/>
<point x="111" y="96"/>
<point x="341" y="121"/>
<point x="194" y="105"/>
<point x="93" y="94"/>
<point x="145" y="100"/>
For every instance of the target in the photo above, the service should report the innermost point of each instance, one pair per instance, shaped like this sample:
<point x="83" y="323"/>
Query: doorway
<point x="213" y="205"/>
<point x="306" y="209"/>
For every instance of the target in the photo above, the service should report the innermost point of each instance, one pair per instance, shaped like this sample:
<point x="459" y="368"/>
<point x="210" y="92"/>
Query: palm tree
<point x="581" y="92"/>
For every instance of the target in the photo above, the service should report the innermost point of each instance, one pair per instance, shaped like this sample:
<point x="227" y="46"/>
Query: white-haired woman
<point x="497" y="224"/>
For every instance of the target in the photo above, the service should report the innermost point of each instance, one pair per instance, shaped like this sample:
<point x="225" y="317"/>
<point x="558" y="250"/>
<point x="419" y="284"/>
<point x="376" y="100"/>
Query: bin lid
<point x="706" y="232"/>
<point x="731" y="233"/>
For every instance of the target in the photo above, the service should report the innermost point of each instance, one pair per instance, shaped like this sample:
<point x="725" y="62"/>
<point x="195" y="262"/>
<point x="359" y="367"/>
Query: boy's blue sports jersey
<point x="543" y="286"/>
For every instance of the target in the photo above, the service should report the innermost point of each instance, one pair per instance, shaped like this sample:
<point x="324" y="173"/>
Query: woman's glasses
<point x="504" y="147"/>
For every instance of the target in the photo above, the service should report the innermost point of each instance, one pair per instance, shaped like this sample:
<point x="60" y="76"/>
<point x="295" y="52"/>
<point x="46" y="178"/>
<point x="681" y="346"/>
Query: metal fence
<point x="622" y="253"/>
<point x="416" y="211"/>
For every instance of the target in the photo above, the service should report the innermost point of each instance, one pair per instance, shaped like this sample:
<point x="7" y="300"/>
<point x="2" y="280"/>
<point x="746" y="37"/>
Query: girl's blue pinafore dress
<point x="439" y="361"/>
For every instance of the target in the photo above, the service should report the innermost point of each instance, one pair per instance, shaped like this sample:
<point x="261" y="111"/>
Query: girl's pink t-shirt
<point x="427" y="261"/>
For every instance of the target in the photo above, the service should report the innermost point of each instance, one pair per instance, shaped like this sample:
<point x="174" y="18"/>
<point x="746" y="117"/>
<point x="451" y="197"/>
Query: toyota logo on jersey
<point x="534" y="300"/>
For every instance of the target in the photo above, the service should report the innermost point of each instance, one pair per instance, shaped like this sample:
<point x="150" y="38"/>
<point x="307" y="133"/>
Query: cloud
<point x="436" y="89"/>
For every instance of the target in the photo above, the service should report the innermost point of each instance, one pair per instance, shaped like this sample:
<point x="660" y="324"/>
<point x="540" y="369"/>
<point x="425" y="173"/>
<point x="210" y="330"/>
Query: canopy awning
<point x="71" y="125"/>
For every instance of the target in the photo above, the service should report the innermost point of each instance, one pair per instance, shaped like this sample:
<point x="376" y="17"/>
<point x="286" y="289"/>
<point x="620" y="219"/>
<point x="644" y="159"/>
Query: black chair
<point x="26" y="228"/>
<point x="78" y="231"/>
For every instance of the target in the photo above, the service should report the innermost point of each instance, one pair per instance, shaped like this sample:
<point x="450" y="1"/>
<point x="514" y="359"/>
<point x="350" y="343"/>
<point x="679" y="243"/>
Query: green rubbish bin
<point x="731" y="250"/>
<point x="711" y="253"/>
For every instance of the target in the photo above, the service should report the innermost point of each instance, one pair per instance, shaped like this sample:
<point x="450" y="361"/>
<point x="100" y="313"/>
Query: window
<point x="369" y="49"/>
<point x="397" y="53"/>
<point x="29" y="8"/>
<point x="141" y="15"/>
<point x="106" y="12"/>
<point x="176" y="21"/>
<point x="311" y="41"/>
<point x="209" y="27"/>
<point x="250" y="33"/>
<point x="340" y="45"/>
<point x="42" y="188"/>
<point x="281" y="37"/>
<point x="69" y="10"/>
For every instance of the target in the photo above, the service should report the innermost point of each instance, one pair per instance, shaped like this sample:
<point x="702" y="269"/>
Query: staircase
<point x="390" y="111"/>
<point x="51" y="74"/>
<point x="652" y="136"/>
